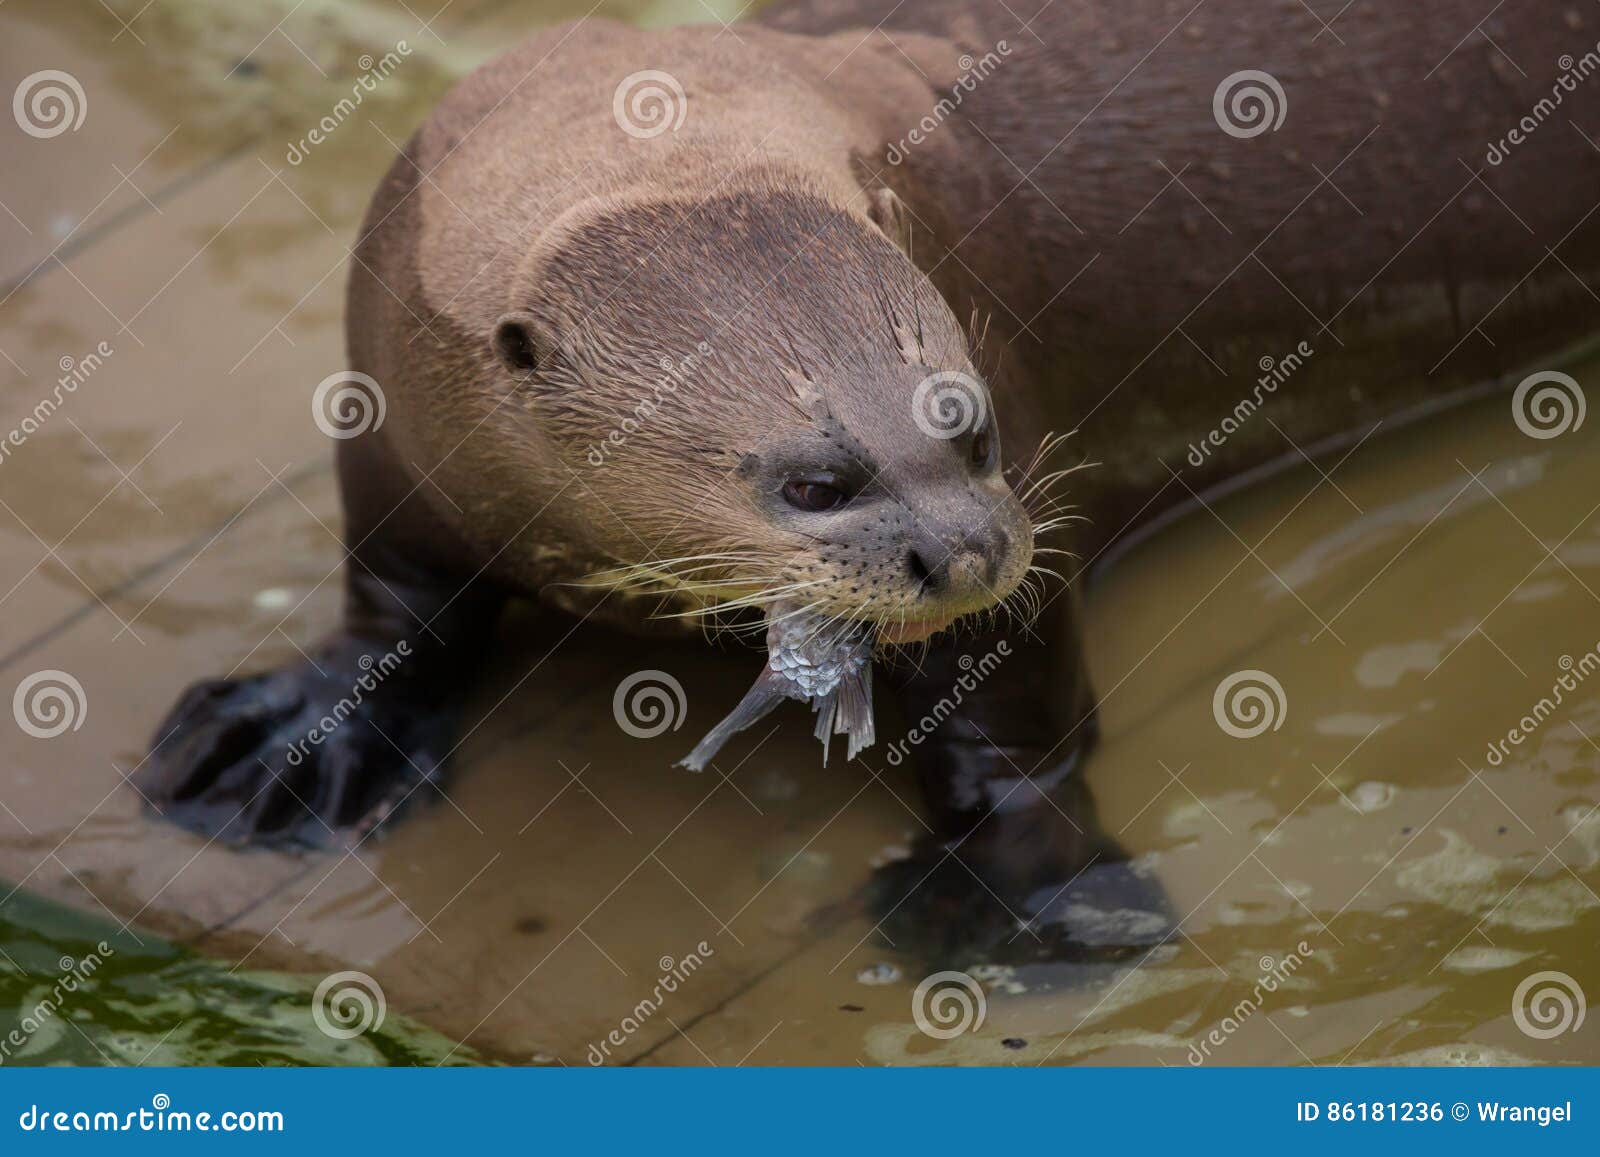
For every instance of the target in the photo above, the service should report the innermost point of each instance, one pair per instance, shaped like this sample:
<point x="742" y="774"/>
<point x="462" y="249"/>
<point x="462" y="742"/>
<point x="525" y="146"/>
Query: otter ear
<point x="519" y="344"/>
<point x="890" y="215"/>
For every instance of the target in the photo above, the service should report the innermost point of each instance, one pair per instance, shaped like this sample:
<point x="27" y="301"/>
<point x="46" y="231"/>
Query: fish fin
<point x="853" y="717"/>
<point x="826" y="707"/>
<point x="758" y="702"/>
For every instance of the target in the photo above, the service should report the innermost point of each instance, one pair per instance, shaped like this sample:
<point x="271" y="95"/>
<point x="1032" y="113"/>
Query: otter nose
<point x="971" y="561"/>
<point x="931" y="574"/>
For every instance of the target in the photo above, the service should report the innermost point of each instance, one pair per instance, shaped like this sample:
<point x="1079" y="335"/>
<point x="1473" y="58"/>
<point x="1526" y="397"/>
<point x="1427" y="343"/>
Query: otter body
<point x="689" y="316"/>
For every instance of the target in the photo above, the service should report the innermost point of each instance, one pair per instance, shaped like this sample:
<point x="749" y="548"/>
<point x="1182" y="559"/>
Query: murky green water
<point x="78" y="991"/>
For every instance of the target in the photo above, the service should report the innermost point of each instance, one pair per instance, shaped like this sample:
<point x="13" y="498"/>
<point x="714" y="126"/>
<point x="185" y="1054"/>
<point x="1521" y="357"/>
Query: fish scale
<point x="825" y="664"/>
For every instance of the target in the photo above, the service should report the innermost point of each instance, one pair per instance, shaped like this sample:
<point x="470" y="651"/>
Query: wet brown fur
<point x="733" y="257"/>
<point x="752" y="229"/>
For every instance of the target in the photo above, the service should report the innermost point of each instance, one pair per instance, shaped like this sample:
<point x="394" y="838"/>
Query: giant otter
<point x="1139" y="203"/>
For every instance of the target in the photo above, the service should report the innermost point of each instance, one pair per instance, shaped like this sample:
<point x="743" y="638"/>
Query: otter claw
<point x="254" y="760"/>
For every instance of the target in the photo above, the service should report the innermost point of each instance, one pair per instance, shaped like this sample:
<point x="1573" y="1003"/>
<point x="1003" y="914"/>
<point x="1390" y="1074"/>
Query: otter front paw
<point x="314" y="753"/>
<point x="1040" y="884"/>
<point x="947" y="910"/>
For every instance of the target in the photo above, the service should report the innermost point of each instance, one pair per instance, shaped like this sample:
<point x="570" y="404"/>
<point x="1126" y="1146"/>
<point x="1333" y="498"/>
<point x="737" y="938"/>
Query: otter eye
<point x="982" y="447"/>
<point x="805" y="494"/>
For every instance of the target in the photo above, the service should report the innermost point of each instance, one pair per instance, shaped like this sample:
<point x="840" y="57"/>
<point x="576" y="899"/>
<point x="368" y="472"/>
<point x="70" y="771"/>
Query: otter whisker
<point x="668" y="564"/>
<point x="1040" y="485"/>
<point x="1048" y="445"/>
<point x="711" y="610"/>
<point x="1025" y="604"/>
<point x="759" y="598"/>
<point x="1046" y="489"/>
<point x="1049" y="509"/>
<point x="1057" y="523"/>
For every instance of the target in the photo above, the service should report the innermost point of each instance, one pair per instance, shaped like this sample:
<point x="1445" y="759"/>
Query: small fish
<point x="828" y="665"/>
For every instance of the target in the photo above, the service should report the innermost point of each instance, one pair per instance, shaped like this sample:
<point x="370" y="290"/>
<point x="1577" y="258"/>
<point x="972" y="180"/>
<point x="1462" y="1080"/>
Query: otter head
<point x="759" y="397"/>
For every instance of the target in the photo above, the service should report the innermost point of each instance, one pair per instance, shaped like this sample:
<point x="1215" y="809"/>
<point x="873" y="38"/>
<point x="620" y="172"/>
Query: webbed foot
<point x="1023" y="872"/>
<point x="313" y="753"/>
